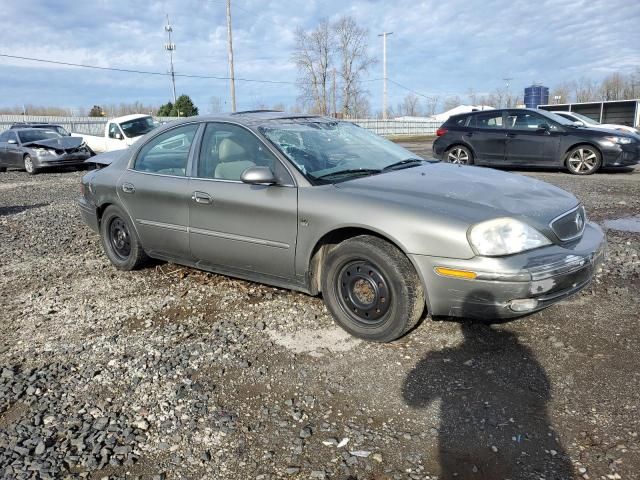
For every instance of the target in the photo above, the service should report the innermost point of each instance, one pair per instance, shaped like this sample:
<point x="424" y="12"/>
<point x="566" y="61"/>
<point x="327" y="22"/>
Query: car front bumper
<point x="545" y="275"/>
<point x="60" y="160"/>
<point x="621" y="155"/>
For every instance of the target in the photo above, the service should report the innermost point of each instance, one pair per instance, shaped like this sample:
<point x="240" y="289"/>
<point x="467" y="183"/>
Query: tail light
<point x="441" y="131"/>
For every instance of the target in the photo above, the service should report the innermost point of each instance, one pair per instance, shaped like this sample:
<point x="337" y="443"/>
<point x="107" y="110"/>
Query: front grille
<point x="570" y="225"/>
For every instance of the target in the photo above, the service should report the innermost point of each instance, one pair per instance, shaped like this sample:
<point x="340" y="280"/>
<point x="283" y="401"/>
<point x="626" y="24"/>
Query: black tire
<point x="583" y="160"/>
<point x="120" y="241"/>
<point x="29" y="167"/>
<point x="459" y="154"/>
<point x="367" y="266"/>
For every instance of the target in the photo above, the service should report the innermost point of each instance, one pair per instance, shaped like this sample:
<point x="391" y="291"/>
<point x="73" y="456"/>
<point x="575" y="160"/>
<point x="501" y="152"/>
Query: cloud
<point x="441" y="48"/>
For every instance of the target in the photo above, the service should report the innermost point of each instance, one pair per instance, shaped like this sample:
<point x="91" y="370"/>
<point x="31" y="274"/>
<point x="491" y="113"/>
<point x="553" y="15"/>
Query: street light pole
<point x="231" y="74"/>
<point x="384" y="73"/>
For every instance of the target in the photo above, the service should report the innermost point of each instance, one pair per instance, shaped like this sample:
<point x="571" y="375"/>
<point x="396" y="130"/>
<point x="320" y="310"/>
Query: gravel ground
<point x="169" y="372"/>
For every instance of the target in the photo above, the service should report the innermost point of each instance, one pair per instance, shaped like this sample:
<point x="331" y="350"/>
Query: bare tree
<point x="410" y="106"/>
<point x="313" y="57"/>
<point x="431" y="105"/>
<point x="562" y="90"/>
<point x="612" y="87"/>
<point x="351" y="42"/>
<point x="451" y="102"/>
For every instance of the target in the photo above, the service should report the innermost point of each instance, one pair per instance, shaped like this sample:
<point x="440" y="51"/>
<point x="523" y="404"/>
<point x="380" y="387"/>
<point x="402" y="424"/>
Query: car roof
<point x="254" y="118"/>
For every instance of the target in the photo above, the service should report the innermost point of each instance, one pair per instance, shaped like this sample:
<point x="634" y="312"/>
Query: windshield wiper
<point x="348" y="172"/>
<point x="406" y="163"/>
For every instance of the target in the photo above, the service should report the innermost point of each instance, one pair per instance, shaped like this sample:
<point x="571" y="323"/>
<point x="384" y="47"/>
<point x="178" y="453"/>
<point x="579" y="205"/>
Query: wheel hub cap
<point x="458" y="155"/>
<point x="583" y="160"/>
<point x="119" y="237"/>
<point x="363" y="291"/>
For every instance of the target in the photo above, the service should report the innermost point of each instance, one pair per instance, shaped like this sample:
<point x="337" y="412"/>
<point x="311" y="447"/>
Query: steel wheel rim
<point x="28" y="164"/>
<point x="363" y="292"/>
<point x="458" y="156"/>
<point x="583" y="160"/>
<point x="119" y="238"/>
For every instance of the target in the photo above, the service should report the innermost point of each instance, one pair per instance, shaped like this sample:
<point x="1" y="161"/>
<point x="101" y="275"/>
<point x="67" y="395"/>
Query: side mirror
<point x="258" y="176"/>
<point x="544" y="127"/>
<point x="12" y="141"/>
<point x="119" y="136"/>
<point x="578" y="123"/>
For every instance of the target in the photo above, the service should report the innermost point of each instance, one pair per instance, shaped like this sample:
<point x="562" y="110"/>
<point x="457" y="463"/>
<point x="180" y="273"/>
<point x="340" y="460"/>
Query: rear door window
<point x="489" y="120"/>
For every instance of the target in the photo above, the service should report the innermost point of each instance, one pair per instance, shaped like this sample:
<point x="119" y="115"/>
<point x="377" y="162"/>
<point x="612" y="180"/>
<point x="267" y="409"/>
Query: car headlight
<point x="43" y="152"/>
<point x="504" y="236"/>
<point x="619" y="140"/>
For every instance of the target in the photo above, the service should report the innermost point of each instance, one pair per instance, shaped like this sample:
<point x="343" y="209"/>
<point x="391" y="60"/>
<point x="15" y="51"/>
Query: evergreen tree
<point x="184" y="107"/>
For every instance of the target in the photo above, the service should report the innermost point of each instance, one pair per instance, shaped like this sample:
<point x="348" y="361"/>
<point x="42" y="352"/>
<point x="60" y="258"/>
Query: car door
<point x="532" y="140"/>
<point x="155" y="192"/>
<point x="13" y="150"/>
<point x="4" y="136"/>
<point x="234" y="226"/>
<point x="486" y="136"/>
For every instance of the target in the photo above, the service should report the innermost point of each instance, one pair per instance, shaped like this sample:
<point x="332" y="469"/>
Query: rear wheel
<point x="119" y="240"/>
<point x="583" y="160"/>
<point x="371" y="289"/>
<point x="459" y="155"/>
<point x="29" y="166"/>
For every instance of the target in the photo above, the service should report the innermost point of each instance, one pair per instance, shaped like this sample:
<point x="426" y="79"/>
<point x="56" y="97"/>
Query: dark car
<point x="325" y="206"/>
<point x="532" y="138"/>
<point x="59" y="129"/>
<point x="35" y="148"/>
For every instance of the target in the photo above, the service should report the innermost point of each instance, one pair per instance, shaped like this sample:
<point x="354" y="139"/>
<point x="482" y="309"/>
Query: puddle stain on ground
<point x="626" y="224"/>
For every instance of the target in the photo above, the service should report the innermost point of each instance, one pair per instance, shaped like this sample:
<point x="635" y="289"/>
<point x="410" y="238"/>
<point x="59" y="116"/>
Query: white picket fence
<point x="95" y="126"/>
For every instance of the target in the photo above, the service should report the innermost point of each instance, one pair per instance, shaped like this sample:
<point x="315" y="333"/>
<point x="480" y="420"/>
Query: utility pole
<point x="384" y="73"/>
<point x="335" y="111"/>
<point x="170" y="47"/>
<point x="507" y="81"/>
<point x="231" y="75"/>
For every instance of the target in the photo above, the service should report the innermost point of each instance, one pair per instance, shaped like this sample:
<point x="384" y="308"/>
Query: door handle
<point x="468" y="134"/>
<point x="201" y="197"/>
<point x="128" y="188"/>
<point x="511" y="135"/>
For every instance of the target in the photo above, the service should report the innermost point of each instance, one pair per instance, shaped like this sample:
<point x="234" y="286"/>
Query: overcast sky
<point x="438" y="47"/>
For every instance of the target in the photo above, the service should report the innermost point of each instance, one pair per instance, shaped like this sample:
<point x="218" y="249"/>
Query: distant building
<point x="536" y="95"/>
<point x="622" y="112"/>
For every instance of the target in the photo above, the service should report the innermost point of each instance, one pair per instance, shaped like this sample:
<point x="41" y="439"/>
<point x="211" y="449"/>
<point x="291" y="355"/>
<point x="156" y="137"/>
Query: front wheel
<point x="119" y="240"/>
<point x="28" y="165"/>
<point x="371" y="289"/>
<point x="459" y="155"/>
<point x="583" y="160"/>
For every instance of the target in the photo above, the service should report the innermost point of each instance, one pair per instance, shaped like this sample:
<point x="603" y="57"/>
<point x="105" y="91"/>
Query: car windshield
<point x="138" y="127"/>
<point x="585" y="119"/>
<point x="327" y="152"/>
<point x="34" y="135"/>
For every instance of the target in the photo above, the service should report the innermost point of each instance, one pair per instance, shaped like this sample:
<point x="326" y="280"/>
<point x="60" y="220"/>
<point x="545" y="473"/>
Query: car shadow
<point x="493" y="396"/>
<point x="12" y="210"/>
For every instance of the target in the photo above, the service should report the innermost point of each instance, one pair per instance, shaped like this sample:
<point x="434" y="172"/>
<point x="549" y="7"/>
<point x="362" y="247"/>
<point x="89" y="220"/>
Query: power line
<point x="144" y="72"/>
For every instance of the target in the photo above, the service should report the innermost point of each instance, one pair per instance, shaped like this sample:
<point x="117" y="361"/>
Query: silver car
<point x="33" y="149"/>
<point x="326" y="207"/>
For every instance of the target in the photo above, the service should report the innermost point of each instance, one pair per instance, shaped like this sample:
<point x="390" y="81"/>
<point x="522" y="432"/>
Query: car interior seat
<point x="232" y="160"/>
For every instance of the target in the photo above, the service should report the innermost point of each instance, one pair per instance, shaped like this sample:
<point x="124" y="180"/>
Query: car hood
<point x="469" y="194"/>
<point x="62" y="143"/>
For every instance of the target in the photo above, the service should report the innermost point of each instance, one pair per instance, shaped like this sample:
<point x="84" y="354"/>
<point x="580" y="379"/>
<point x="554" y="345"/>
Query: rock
<point x="377" y="457"/>
<point x="360" y="453"/>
